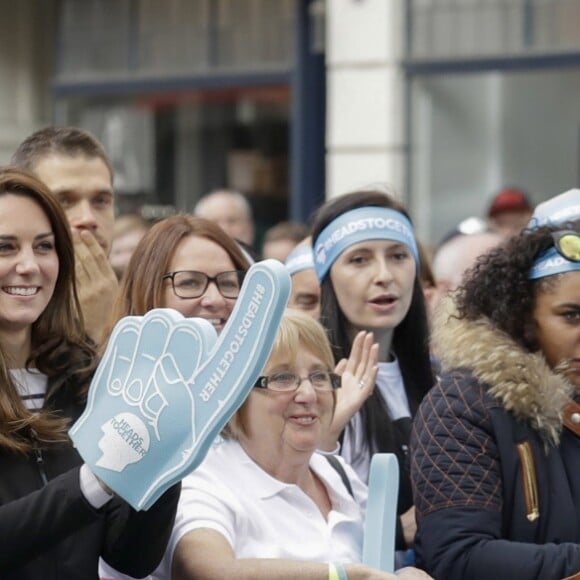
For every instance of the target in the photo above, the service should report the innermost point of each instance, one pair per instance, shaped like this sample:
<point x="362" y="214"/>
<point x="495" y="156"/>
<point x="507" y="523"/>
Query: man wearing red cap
<point x="509" y="212"/>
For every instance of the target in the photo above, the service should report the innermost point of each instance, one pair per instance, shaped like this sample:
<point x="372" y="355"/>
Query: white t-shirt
<point x="31" y="385"/>
<point x="354" y="449"/>
<point x="262" y="517"/>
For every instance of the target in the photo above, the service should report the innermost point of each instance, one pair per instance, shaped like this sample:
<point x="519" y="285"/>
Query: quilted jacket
<point x="496" y="477"/>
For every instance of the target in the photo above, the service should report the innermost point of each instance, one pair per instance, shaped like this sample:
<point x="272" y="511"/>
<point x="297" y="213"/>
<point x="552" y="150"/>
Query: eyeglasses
<point x="567" y="242"/>
<point x="192" y="284"/>
<point x="288" y="382"/>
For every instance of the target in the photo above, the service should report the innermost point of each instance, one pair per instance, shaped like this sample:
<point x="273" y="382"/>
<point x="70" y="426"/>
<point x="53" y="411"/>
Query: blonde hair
<point x="297" y="330"/>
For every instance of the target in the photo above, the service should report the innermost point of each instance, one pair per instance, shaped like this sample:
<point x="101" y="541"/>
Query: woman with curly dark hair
<point x="367" y="261"/>
<point x="495" y="444"/>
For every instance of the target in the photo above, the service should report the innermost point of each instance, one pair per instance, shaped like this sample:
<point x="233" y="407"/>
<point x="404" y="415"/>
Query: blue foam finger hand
<point x="163" y="455"/>
<point x="114" y="367"/>
<point x="186" y="359"/>
<point x="118" y="360"/>
<point x="121" y="438"/>
<point x="225" y="379"/>
<point x="151" y="345"/>
<point x="179" y="388"/>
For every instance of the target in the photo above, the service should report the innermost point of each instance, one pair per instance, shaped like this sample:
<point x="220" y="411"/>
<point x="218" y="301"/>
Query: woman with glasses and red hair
<point x="186" y="263"/>
<point x="496" y="443"/>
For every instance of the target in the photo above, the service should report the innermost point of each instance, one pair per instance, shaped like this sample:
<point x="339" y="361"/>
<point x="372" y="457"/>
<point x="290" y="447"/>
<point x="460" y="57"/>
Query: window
<point x="132" y="39"/>
<point x="448" y="29"/>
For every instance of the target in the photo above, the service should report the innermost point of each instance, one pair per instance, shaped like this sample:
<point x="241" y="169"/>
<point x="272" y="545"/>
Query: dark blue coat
<point x="496" y="478"/>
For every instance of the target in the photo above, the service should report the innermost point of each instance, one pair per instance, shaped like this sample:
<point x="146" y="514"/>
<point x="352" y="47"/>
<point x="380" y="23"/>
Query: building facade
<point x="292" y="101"/>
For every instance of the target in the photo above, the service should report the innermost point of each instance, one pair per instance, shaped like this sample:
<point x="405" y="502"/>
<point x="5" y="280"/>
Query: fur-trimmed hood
<point x="522" y="381"/>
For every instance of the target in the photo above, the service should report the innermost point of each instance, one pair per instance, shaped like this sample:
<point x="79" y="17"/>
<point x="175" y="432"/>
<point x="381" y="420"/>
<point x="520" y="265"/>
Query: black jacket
<point x="49" y="531"/>
<point x="495" y="475"/>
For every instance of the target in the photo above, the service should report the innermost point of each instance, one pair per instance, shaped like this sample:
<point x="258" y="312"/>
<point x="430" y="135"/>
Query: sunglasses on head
<point x="567" y="242"/>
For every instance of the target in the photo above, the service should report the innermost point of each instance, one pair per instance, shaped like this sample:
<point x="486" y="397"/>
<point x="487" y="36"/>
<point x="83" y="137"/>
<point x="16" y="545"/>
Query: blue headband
<point x="550" y="263"/>
<point x="299" y="259"/>
<point x="359" y="225"/>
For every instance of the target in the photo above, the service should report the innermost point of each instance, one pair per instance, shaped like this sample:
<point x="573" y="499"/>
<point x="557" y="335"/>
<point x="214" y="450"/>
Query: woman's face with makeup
<point x="373" y="281"/>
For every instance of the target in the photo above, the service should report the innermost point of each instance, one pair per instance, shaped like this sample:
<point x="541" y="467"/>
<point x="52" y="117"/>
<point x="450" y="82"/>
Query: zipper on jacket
<point x="529" y="481"/>
<point x="39" y="459"/>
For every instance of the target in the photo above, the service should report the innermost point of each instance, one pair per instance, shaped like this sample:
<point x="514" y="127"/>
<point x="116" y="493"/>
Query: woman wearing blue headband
<point x="366" y="258"/>
<point x="496" y="444"/>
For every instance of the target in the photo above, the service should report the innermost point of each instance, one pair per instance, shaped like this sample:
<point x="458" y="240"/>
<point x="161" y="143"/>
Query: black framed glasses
<point x="192" y="284"/>
<point x="567" y="242"/>
<point x="285" y="382"/>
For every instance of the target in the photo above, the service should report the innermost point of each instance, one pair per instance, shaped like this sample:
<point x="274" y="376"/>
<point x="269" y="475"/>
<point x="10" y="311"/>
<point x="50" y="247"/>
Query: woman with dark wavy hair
<point x="367" y="261"/>
<point x="56" y="518"/>
<point x="495" y="444"/>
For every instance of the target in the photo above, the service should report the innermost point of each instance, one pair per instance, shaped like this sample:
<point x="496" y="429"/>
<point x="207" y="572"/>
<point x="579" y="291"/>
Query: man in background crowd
<point x="281" y="239"/>
<point x="74" y="166"/>
<point x="129" y="229"/>
<point x="231" y="211"/>
<point x="509" y="212"/>
<point x="458" y="254"/>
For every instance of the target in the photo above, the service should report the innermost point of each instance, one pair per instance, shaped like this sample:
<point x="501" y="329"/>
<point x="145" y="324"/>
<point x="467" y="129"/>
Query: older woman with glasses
<point x="186" y="263"/>
<point x="264" y="504"/>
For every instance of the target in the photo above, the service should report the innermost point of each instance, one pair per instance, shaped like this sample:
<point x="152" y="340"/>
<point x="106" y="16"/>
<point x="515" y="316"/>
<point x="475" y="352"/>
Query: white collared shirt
<point x="262" y="517"/>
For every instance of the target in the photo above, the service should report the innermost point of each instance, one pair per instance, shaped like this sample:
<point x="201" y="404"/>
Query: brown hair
<point x="426" y="274"/>
<point x="410" y="338"/>
<point x="59" y="347"/>
<point x="68" y="141"/>
<point x="142" y="286"/>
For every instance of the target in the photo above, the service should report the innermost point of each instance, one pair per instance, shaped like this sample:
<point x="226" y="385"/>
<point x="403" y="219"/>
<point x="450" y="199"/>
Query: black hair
<point x="410" y="338"/>
<point x="498" y="286"/>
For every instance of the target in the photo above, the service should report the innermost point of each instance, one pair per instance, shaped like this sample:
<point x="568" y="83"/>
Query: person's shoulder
<point x="337" y="465"/>
<point x="458" y="393"/>
<point x="460" y="382"/>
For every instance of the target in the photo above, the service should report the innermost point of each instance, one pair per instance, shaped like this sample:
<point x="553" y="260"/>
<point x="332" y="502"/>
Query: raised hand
<point x="358" y="375"/>
<point x="166" y="386"/>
